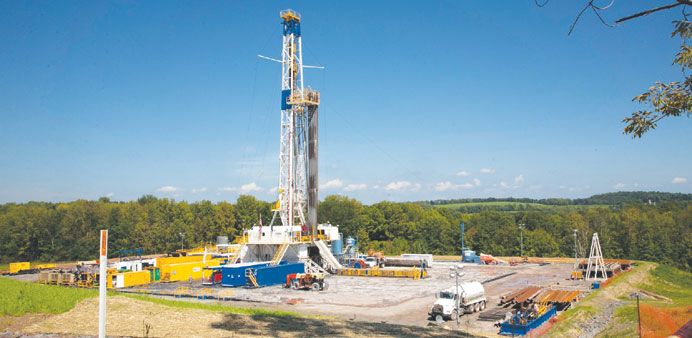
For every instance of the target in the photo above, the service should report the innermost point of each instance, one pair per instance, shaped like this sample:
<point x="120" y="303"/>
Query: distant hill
<point x="608" y="200"/>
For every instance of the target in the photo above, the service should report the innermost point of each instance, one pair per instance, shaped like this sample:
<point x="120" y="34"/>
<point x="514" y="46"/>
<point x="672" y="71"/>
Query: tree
<point x="664" y="100"/>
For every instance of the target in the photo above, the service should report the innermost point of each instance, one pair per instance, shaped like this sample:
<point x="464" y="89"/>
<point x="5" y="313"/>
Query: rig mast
<point x="298" y="154"/>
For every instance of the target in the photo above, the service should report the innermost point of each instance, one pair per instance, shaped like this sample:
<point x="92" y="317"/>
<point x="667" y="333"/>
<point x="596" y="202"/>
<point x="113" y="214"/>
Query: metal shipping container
<point x="276" y="274"/>
<point x="234" y="275"/>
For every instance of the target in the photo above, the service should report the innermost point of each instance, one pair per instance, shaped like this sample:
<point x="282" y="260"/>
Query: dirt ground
<point x="17" y="324"/>
<point x="132" y="318"/>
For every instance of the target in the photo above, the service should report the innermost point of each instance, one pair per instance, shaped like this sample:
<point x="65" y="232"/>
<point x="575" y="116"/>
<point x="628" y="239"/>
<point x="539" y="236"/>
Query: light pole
<point x="457" y="296"/>
<point x="182" y="236"/>
<point x="521" y="228"/>
<point x="575" y="250"/>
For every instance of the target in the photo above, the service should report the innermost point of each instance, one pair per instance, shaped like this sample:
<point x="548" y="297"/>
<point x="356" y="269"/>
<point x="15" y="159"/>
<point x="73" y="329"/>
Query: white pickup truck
<point x="471" y="298"/>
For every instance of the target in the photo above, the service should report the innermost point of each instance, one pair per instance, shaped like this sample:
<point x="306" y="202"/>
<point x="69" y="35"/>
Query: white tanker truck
<point x="471" y="298"/>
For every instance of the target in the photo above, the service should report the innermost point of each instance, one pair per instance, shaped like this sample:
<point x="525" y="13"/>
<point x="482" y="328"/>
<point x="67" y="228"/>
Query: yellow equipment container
<point x="183" y="271"/>
<point x="160" y="262"/>
<point x="125" y="279"/>
<point x="16" y="267"/>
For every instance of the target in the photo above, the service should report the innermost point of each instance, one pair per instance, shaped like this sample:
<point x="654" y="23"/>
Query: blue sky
<point x="420" y="100"/>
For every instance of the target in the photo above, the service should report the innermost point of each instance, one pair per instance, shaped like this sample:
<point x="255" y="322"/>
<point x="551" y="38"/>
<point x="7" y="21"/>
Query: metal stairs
<point x="312" y="267"/>
<point x="279" y="255"/>
<point x="250" y="276"/>
<point x="236" y="255"/>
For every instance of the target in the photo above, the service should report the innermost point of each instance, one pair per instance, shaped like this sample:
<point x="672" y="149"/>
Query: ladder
<point x="250" y="276"/>
<point x="236" y="255"/>
<point x="279" y="255"/>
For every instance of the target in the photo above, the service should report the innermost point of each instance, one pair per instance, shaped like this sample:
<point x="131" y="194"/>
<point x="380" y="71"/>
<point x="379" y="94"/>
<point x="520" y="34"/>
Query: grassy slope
<point x="18" y="298"/>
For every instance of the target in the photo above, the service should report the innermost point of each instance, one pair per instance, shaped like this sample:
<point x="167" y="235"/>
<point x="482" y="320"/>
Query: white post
<point x="103" y="280"/>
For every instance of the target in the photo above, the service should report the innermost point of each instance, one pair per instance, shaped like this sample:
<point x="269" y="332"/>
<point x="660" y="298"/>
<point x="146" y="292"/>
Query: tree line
<point x="41" y="231"/>
<point x="612" y="199"/>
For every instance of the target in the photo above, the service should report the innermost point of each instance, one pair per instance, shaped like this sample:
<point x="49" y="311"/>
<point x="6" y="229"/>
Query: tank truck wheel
<point x="454" y="315"/>
<point x="475" y="307"/>
<point x="315" y="286"/>
<point x="294" y="285"/>
<point x="483" y="306"/>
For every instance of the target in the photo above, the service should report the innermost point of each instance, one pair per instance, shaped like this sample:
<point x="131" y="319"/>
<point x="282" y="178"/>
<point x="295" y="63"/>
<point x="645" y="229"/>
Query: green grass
<point x="220" y="308"/>
<point x="18" y="298"/>
<point x="672" y="283"/>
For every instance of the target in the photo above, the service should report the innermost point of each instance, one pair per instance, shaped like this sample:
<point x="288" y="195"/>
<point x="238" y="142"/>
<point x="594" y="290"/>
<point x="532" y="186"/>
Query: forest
<point x="50" y="232"/>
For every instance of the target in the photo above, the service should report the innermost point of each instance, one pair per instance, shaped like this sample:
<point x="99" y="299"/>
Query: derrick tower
<point x="297" y="202"/>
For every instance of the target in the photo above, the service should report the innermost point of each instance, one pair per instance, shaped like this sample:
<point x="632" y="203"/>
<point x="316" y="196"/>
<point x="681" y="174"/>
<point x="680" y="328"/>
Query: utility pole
<point x="182" y="236"/>
<point x="521" y="228"/>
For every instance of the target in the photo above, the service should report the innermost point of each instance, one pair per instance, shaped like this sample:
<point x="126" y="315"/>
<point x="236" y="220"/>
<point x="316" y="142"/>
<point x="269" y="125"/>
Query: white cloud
<point x="202" y="189"/>
<point x="463" y="173"/>
<point x="168" y="188"/>
<point x="619" y="186"/>
<point x="442" y="186"/>
<point x="519" y="178"/>
<point x="250" y="187"/>
<point x="477" y="182"/>
<point x="332" y="184"/>
<point x="447" y="185"/>
<point x="354" y="187"/>
<point x="487" y="171"/>
<point x="416" y="187"/>
<point x="273" y="190"/>
<point x="244" y="189"/>
<point x="376" y="186"/>
<point x="398" y="185"/>
<point x="110" y="194"/>
<point x="504" y="185"/>
<point x="678" y="180"/>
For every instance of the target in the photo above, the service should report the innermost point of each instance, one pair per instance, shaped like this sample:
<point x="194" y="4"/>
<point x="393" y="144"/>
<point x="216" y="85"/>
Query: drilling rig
<point x="295" y="235"/>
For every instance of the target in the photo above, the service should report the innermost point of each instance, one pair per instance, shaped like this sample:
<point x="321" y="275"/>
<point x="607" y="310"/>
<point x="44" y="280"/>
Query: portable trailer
<point x="186" y="271"/>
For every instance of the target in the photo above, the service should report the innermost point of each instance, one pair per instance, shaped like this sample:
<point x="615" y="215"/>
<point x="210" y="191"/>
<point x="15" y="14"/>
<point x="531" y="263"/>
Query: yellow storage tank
<point x="16" y="267"/>
<point x="177" y="260"/>
<point x="183" y="271"/>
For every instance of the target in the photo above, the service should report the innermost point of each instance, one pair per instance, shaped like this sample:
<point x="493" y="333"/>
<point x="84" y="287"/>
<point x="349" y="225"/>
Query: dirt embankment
<point x="132" y="318"/>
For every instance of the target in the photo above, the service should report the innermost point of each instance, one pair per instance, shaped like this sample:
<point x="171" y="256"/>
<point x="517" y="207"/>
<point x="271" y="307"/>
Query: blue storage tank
<point x="234" y="275"/>
<point x="272" y="275"/>
<point x="338" y="245"/>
